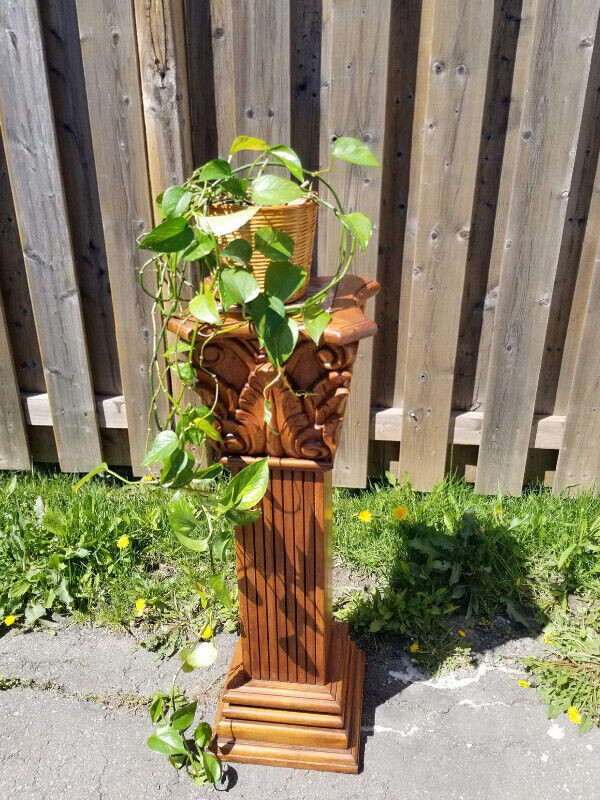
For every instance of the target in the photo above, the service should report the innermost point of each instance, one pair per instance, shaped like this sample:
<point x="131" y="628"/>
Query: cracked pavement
<point x="72" y="727"/>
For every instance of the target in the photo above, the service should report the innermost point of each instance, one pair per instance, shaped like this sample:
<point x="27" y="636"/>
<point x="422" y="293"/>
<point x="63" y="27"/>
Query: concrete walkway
<point x="72" y="728"/>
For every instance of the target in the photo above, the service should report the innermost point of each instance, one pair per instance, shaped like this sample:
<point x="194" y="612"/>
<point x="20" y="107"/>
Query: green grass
<point x="453" y="551"/>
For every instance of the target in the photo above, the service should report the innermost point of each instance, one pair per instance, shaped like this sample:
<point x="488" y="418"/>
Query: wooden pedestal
<point x="293" y="695"/>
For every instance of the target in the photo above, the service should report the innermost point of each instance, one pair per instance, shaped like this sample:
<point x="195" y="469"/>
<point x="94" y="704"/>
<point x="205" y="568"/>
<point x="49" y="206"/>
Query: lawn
<point x="105" y="554"/>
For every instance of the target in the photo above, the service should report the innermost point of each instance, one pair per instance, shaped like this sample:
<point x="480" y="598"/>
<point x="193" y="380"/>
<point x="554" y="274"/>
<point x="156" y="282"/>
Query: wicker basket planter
<point x="298" y="220"/>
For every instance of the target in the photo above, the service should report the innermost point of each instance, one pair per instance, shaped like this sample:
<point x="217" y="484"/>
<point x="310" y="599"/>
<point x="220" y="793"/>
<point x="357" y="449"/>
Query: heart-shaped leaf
<point x="267" y="314"/>
<point x="167" y="741"/>
<point x="315" y="319"/>
<point x="165" y="443"/>
<point x="247" y="488"/>
<point x="356" y="152"/>
<point x="223" y="224"/>
<point x="273" y="243"/>
<point x="238" y="250"/>
<point x="219" y="586"/>
<point x="281" y="346"/>
<point x="181" y="515"/>
<point x="171" y="236"/>
<point x="203" y="734"/>
<point x="204" y="307"/>
<point x="360" y="227"/>
<point x="289" y="158"/>
<point x="212" y="767"/>
<point x="247" y="143"/>
<point x="273" y="190"/>
<point x="184" y="716"/>
<point x="283" y="279"/>
<point x="175" y="201"/>
<point x="200" y="247"/>
<point x="237" y="286"/>
<point x="215" y="170"/>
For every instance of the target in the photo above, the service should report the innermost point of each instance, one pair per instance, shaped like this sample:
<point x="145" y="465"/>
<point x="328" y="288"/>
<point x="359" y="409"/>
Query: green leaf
<point x="237" y="286"/>
<point x="289" y="158"/>
<point x="267" y="314"/>
<point x="586" y="725"/>
<point x="203" y="735"/>
<point x="223" y="224"/>
<point x="273" y="190"/>
<point x="33" y="612"/>
<point x="179" y="347"/>
<point x="185" y="372"/>
<point x="167" y="741"/>
<point x="354" y="151"/>
<point x="360" y="227"/>
<point x="243" y="517"/>
<point x="184" y="716"/>
<point x="281" y="346"/>
<point x="221" y="540"/>
<point x="204" y="307"/>
<point x="177" y="469"/>
<point x="197" y="545"/>
<point x="157" y="706"/>
<point x="219" y="586"/>
<point x="175" y="201"/>
<point x="315" y="319"/>
<point x="247" y="143"/>
<point x="239" y="250"/>
<point x="247" y="488"/>
<point x="180" y="513"/>
<point x="203" y="655"/>
<point x="200" y="247"/>
<point x="283" y="279"/>
<point x="164" y="444"/>
<point x="206" y="427"/>
<point x="274" y="243"/>
<point x="63" y="593"/>
<point x="96" y="471"/>
<point x="236" y="186"/>
<point x="215" y="170"/>
<point x="171" y="236"/>
<point x="209" y="473"/>
<point x="212" y="767"/>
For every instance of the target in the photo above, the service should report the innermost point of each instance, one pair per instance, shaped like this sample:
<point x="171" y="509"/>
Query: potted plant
<point x="230" y="264"/>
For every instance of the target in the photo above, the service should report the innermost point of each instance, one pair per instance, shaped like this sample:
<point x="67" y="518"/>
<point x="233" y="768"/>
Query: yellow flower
<point x="10" y="620"/>
<point x="498" y="512"/>
<point x="462" y="633"/>
<point x="574" y="715"/>
<point x="123" y="542"/>
<point x="548" y="637"/>
<point x="365" y="516"/>
<point x="518" y="582"/>
<point x="524" y="684"/>
<point x="207" y="633"/>
<point x="400" y="512"/>
<point x="147" y="478"/>
<point x="140" y="604"/>
<point x="414" y="648"/>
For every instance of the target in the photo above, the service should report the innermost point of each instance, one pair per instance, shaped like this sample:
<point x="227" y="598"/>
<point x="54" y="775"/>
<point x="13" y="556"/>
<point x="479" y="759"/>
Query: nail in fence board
<point x="354" y="61"/>
<point x="108" y="46"/>
<point x="528" y="244"/>
<point x="458" y="55"/>
<point x="33" y="163"/>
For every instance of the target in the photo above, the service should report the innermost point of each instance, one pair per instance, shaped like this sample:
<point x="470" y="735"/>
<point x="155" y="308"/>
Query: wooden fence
<point x="486" y="117"/>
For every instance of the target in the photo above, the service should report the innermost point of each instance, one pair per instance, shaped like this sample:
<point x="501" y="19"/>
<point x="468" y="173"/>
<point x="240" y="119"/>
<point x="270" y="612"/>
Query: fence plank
<point x="108" y="46"/>
<point x="354" y="61"/>
<point x="578" y="465"/>
<point x="460" y="37"/>
<point x="539" y="181"/>
<point x="14" y="447"/>
<point x="305" y="79"/>
<point x="201" y="86"/>
<point x="33" y="162"/>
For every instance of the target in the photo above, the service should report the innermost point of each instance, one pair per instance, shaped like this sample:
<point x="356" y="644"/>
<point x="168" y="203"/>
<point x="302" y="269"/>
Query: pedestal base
<point x="295" y="724"/>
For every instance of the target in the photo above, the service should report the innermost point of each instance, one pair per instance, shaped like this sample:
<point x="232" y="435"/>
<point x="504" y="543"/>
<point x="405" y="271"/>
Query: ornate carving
<point x="307" y="405"/>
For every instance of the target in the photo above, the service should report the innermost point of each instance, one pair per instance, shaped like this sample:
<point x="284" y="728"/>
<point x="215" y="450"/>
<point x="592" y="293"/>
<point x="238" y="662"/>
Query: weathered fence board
<point x="33" y="162"/>
<point x="108" y="47"/>
<point x="547" y="136"/>
<point x="354" y="81"/>
<point x="486" y="118"/>
<point x="459" y="46"/>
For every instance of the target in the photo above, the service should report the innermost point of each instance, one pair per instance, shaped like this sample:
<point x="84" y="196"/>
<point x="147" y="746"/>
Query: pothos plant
<point x="201" y="271"/>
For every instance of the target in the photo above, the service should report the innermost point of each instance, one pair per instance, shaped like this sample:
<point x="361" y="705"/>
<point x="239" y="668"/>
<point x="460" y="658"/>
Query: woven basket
<point x="297" y="220"/>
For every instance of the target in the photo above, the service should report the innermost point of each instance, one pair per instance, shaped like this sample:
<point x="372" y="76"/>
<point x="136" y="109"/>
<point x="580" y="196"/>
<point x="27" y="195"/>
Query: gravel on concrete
<point x="70" y="731"/>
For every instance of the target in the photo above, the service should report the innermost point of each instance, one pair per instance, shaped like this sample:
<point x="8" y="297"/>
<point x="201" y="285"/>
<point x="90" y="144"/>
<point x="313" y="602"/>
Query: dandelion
<point x="462" y="633"/>
<point x="123" y="542"/>
<point x="524" y="684"/>
<point x="498" y="512"/>
<point x="414" y="648"/>
<point x="365" y="516"/>
<point x="548" y="637"/>
<point x="574" y="715"/>
<point x="207" y="633"/>
<point x="140" y="605"/>
<point x="400" y="512"/>
<point x="518" y="582"/>
<point x="147" y="478"/>
<point x="10" y="620"/>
